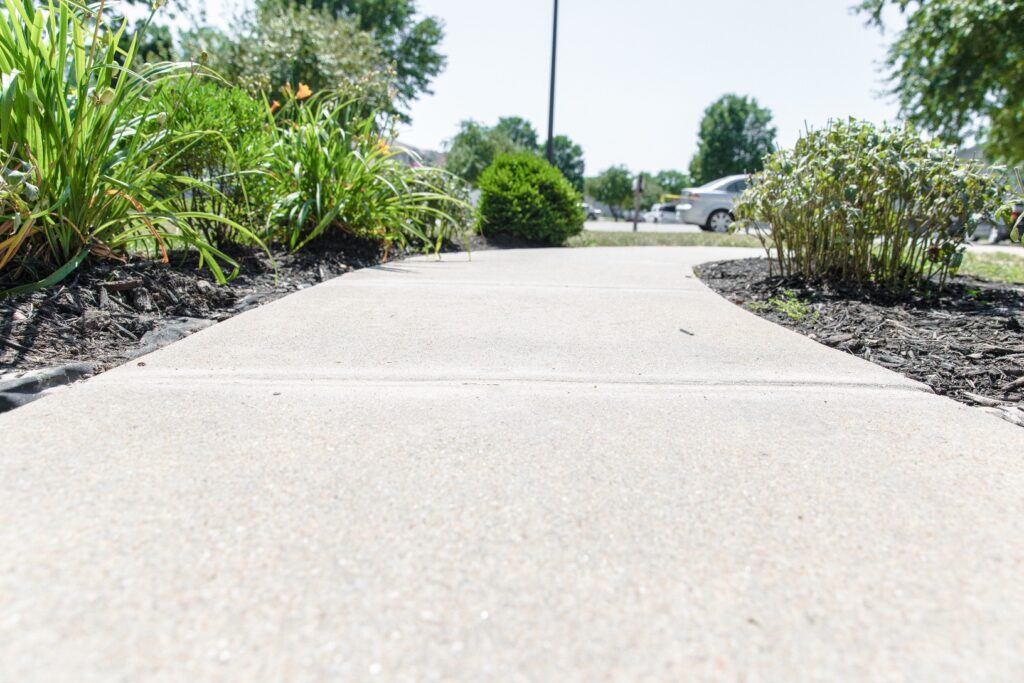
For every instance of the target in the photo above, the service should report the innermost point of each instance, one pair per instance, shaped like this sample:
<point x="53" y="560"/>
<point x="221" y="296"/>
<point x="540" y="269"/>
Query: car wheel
<point x="719" y="221"/>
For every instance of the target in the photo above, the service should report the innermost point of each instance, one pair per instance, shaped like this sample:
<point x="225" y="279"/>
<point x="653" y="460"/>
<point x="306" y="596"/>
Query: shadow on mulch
<point x="965" y="342"/>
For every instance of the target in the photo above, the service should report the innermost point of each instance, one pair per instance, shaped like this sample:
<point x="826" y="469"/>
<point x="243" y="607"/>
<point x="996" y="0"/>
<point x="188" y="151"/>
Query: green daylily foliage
<point x="104" y="155"/>
<point x="332" y="168"/>
<point x="73" y="108"/>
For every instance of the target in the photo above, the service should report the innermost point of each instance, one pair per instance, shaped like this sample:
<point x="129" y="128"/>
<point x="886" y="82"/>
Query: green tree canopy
<point x="613" y="187"/>
<point x="957" y="69"/>
<point x="405" y="41"/>
<point x="408" y="41"/>
<point x="474" y="148"/>
<point x="735" y="135"/>
<point x="568" y="158"/>
<point x="284" y="43"/>
<point x="673" y="182"/>
<point x="519" y="131"/>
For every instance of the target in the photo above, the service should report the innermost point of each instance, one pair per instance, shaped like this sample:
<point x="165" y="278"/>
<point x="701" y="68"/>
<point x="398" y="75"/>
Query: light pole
<point x="551" y="99"/>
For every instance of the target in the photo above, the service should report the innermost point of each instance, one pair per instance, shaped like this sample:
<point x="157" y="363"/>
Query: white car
<point x="710" y="206"/>
<point x="662" y="213"/>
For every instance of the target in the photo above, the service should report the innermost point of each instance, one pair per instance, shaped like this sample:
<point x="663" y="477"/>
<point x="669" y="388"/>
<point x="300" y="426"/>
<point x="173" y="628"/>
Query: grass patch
<point x="997" y="266"/>
<point x="590" y="238"/>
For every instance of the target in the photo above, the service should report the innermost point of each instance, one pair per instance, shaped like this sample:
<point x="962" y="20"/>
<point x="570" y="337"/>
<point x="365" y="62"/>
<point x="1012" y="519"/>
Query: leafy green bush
<point x="523" y="196"/>
<point x="228" y="157"/>
<point x="454" y="215"/>
<point x="70" y="107"/>
<point x="858" y="203"/>
<point x="334" y="170"/>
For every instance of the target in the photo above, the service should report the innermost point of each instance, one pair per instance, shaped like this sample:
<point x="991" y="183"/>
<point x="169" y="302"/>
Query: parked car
<point x="710" y="206"/>
<point x="593" y="213"/>
<point x="995" y="230"/>
<point x="662" y="213"/>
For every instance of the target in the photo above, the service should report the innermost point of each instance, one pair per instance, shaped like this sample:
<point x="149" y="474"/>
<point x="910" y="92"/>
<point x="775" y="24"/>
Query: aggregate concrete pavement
<point x="534" y="465"/>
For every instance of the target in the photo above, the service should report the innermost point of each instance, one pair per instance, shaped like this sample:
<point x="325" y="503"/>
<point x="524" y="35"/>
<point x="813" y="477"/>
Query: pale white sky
<point x="634" y="76"/>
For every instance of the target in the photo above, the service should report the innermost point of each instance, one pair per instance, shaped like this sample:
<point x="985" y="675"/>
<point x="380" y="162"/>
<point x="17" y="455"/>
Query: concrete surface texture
<point x="552" y="465"/>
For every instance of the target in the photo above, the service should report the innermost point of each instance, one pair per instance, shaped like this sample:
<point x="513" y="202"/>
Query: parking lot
<point x="623" y="226"/>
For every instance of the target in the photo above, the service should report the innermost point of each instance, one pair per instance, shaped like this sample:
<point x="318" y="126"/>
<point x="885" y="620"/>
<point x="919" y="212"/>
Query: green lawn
<point x="998" y="266"/>
<point x="661" y="239"/>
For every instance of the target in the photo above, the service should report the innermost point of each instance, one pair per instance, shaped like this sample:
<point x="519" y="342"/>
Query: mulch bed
<point x="965" y="342"/>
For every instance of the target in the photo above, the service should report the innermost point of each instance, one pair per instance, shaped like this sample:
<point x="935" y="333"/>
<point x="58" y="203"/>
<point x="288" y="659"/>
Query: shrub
<point x="858" y="203"/>
<point x="524" y="196"/>
<point x="70" y="109"/>
<point x="334" y="170"/>
<point x="227" y="157"/>
<point x="454" y="212"/>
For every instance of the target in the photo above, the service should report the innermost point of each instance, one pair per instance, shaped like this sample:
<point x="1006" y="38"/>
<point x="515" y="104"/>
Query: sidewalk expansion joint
<point x="166" y="378"/>
<point x="376" y="283"/>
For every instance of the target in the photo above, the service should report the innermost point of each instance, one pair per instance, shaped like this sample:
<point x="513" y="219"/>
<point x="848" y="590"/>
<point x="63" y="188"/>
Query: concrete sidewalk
<point x="551" y="465"/>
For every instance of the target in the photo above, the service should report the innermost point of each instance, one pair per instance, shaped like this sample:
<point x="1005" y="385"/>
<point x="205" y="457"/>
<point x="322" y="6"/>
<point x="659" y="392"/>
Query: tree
<point x="474" y="148"/>
<point x="613" y="187"/>
<point x="673" y="182"/>
<point x="283" y="43"/>
<point x="568" y="158"/>
<point x="519" y="131"/>
<point x="957" y="70"/>
<point x="408" y="41"/>
<point x="735" y="135"/>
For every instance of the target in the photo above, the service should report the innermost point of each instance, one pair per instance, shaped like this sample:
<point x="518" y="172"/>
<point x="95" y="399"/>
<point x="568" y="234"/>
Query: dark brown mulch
<point x="966" y="342"/>
<point x="107" y="312"/>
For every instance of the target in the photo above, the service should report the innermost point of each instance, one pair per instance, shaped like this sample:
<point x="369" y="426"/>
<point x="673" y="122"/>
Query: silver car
<point x="662" y="213"/>
<point x="710" y="206"/>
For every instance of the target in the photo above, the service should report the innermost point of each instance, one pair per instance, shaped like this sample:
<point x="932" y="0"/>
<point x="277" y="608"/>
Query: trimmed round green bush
<point x="523" y="196"/>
